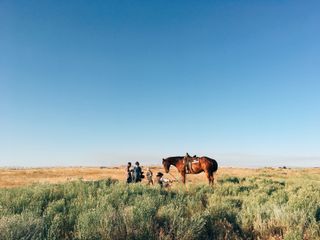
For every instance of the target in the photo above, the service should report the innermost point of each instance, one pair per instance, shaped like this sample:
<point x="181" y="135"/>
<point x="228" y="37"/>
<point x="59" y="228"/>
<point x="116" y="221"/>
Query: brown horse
<point x="202" y="164"/>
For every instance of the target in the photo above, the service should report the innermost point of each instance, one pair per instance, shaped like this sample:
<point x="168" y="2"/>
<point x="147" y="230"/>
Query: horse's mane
<point x="174" y="159"/>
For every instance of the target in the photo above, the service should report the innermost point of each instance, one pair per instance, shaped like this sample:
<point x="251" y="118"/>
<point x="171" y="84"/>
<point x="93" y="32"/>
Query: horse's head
<point x="166" y="164"/>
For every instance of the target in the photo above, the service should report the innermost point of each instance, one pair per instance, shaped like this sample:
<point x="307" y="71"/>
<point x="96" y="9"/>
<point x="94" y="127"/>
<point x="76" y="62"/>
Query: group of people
<point x="135" y="175"/>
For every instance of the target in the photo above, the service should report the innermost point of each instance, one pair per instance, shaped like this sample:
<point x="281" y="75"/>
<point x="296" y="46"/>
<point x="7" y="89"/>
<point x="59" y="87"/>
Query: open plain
<point x="95" y="203"/>
<point x="15" y="177"/>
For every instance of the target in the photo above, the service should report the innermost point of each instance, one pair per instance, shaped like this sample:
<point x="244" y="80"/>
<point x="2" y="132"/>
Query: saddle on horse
<point x="188" y="160"/>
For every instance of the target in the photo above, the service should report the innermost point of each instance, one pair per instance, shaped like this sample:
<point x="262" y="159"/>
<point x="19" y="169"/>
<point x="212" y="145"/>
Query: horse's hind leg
<point x="210" y="178"/>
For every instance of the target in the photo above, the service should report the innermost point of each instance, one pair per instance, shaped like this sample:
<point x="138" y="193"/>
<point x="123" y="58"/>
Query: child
<point x="149" y="175"/>
<point x="162" y="181"/>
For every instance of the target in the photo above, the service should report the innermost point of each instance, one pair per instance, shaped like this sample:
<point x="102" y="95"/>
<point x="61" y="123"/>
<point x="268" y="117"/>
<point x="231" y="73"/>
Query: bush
<point x="235" y="208"/>
<point x="21" y="226"/>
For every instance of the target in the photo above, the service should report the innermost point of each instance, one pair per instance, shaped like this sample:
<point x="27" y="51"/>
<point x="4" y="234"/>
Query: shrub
<point x="235" y="208"/>
<point x="21" y="226"/>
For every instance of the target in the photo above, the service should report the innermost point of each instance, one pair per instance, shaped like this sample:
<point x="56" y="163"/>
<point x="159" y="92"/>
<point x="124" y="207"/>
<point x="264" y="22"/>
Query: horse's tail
<point x="215" y="164"/>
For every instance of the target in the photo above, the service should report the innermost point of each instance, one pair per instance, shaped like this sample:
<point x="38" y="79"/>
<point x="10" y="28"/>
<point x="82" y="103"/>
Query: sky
<point x="101" y="83"/>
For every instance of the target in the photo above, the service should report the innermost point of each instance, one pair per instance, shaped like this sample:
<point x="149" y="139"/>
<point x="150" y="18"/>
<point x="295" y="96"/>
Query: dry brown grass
<point x="21" y="177"/>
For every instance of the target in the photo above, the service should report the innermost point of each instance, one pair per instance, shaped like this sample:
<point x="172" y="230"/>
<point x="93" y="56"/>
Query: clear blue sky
<point x="105" y="82"/>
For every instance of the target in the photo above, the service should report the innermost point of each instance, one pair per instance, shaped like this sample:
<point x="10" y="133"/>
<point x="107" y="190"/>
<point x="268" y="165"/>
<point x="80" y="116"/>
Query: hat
<point x="159" y="174"/>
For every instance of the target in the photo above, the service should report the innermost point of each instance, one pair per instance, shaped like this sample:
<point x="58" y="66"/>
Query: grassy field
<point x="94" y="203"/>
<point x="10" y="177"/>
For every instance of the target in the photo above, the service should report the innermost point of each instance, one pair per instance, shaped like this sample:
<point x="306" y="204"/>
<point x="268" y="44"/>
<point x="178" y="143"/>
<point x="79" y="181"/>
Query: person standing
<point x="129" y="172"/>
<point x="149" y="175"/>
<point x="137" y="172"/>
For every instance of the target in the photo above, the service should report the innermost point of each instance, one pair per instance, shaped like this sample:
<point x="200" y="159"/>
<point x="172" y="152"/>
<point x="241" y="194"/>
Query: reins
<point x="173" y="177"/>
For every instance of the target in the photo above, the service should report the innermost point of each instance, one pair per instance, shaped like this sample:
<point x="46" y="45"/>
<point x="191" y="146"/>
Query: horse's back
<point x="212" y="163"/>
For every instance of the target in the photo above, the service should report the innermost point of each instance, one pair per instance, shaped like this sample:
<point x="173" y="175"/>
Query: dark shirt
<point x="137" y="173"/>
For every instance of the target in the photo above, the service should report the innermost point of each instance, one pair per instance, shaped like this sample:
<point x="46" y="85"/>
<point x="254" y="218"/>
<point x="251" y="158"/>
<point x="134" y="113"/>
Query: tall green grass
<point x="246" y="208"/>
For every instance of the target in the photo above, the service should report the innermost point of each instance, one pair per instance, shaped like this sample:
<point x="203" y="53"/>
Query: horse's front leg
<point x="183" y="177"/>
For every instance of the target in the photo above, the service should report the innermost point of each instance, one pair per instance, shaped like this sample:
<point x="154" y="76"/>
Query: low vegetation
<point x="256" y="207"/>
